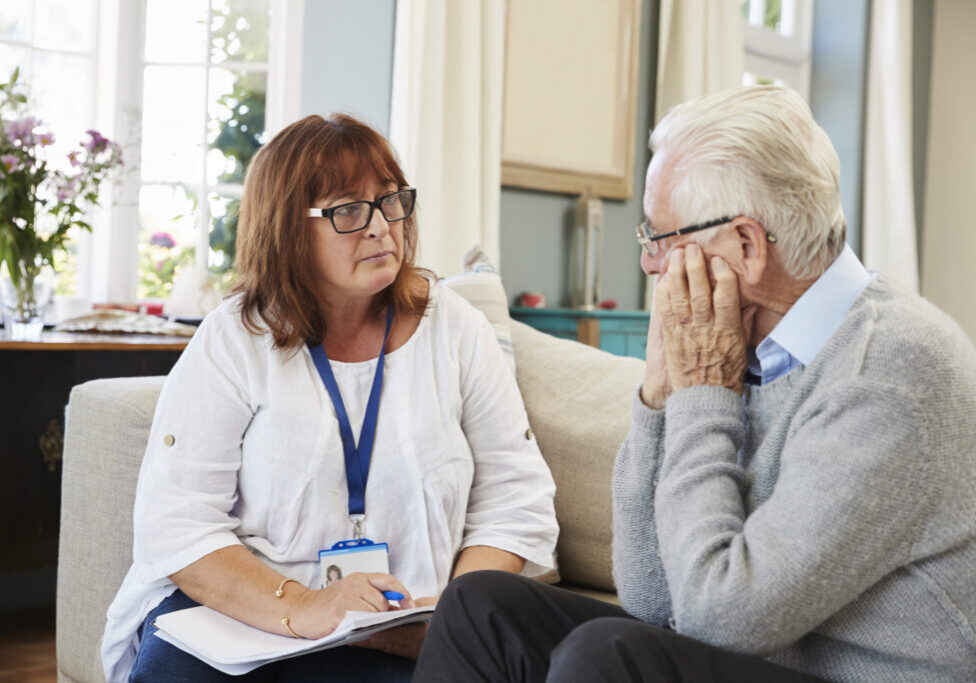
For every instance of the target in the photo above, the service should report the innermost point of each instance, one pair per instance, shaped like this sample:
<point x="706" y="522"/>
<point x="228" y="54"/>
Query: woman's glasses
<point x="355" y="216"/>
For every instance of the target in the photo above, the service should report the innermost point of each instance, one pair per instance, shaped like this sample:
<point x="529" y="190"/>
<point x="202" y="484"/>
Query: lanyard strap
<point x="357" y="459"/>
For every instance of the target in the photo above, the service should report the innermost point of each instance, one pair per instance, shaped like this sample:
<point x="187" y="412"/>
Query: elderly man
<point x="796" y="498"/>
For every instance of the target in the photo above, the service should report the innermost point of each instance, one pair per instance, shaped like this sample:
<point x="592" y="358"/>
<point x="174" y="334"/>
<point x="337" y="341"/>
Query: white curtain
<point x="446" y="123"/>
<point x="700" y="51"/>
<point x="889" y="206"/>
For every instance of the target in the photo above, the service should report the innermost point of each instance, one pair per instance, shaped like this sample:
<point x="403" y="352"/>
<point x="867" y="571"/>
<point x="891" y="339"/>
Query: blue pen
<point x="392" y="595"/>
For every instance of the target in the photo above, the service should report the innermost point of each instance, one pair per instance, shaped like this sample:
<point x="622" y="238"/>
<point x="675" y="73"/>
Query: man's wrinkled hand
<point x="704" y="334"/>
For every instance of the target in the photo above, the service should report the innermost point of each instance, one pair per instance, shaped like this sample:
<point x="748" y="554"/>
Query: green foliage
<point x="158" y="266"/>
<point x="223" y="237"/>
<point x="161" y="256"/>
<point x="774" y="13"/>
<point x="239" y="139"/>
<point x="240" y="31"/>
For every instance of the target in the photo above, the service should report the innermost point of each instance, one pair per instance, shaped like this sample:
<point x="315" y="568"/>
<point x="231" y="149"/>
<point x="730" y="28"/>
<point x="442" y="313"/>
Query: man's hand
<point x="404" y="641"/>
<point x="656" y="387"/>
<point x="704" y="331"/>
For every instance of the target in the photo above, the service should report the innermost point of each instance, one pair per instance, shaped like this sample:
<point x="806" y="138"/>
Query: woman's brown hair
<point x="310" y="159"/>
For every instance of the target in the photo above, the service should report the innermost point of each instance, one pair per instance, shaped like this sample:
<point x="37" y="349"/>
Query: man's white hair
<point x="757" y="152"/>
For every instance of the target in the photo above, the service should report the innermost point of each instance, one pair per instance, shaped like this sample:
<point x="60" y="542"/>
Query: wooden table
<point x="85" y="341"/>
<point x="35" y="381"/>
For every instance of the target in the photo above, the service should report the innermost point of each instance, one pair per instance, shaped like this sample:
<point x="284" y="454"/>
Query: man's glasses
<point x="355" y="216"/>
<point x="649" y="240"/>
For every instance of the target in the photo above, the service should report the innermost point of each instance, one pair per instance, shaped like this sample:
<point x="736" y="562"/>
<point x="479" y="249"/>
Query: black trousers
<point x="494" y="626"/>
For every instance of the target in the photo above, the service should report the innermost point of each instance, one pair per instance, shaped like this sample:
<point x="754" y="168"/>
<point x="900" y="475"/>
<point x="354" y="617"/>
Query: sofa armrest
<point x="107" y="425"/>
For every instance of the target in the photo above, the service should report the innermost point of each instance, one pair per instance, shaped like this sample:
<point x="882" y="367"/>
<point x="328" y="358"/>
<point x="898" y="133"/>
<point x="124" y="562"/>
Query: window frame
<point x="785" y="55"/>
<point x="112" y="260"/>
<point x="95" y="55"/>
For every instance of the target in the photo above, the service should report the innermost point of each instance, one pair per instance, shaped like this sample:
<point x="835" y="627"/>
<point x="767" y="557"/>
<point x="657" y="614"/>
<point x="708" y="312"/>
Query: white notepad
<point x="236" y="648"/>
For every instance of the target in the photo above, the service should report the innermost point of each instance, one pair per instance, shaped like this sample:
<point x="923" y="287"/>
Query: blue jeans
<point x="158" y="661"/>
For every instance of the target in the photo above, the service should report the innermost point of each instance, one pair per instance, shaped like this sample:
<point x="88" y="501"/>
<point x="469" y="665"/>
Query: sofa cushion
<point x="481" y="286"/>
<point x="106" y="427"/>
<point x="578" y="399"/>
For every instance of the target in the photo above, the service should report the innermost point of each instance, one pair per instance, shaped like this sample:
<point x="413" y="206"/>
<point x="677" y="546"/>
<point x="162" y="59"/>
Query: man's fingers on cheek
<point x="679" y="296"/>
<point x="677" y="258"/>
<point x="727" y="314"/>
<point x="662" y="283"/>
<point x="726" y="297"/>
<point x="721" y="270"/>
<point x="676" y="270"/>
<point x="694" y="259"/>
<point x="663" y="298"/>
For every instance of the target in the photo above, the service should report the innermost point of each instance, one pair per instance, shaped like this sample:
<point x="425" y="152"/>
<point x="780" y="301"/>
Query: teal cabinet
<point x="623" y="333"/>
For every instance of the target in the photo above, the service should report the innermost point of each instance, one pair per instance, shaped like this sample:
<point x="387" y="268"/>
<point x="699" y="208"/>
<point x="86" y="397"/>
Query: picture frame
<point x="570" y="107"/>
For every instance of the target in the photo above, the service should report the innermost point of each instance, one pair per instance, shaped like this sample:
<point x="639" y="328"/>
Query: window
<point x="778" y="35"/>
<point x="203" y="118"/>
<point x="182" y="86"/>
<point x="53" y="42"/>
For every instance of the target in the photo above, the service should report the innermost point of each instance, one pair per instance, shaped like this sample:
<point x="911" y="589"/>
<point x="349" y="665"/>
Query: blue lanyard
<point x="357" y="459"/>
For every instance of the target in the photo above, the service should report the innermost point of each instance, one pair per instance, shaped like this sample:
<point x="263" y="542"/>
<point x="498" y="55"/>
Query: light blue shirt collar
<point x="812" y="320"/>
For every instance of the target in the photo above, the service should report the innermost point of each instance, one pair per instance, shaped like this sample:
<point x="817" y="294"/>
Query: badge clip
<point x="357" y="525"/>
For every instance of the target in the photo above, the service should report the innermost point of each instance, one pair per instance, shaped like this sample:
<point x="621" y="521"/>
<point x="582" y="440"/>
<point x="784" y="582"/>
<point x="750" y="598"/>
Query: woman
<point x="245" y="479"/>
<point x="332" y="574"/>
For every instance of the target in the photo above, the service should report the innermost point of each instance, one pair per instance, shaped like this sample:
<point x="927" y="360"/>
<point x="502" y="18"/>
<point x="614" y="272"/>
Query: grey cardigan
<point x="826" y="520"/>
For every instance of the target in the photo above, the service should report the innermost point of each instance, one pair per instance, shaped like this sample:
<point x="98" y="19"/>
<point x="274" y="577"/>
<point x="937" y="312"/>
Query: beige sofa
<point x="578" y="400"/>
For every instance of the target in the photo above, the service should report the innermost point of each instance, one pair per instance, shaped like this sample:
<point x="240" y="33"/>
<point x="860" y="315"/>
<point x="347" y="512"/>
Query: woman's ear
<point x="752" y="249"/>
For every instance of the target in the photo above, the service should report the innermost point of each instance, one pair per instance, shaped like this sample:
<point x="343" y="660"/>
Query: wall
<point x="922" y="17"/>
<point x="337" y="35"/>
<point x="948" y="275"/>
<point x="838" y="94"/>
<point x="536" y="226"/>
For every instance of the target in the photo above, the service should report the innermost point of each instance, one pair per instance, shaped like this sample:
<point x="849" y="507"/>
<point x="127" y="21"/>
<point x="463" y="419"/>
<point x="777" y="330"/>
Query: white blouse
<point x="245" y="449"/>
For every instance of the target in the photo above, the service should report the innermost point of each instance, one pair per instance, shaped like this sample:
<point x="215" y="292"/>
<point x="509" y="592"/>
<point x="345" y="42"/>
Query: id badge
<point x="358" y="555"/>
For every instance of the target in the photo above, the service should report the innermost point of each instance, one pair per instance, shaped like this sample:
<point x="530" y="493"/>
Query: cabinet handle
<point x="51" y="443"/>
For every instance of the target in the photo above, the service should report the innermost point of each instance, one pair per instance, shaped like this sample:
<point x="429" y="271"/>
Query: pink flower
<point x="45" y="139"/>
<point x="22" y="130"/>
<point x="68" y="190"/>
<point x="162" y="239"/>
<point x="97" y="143"/>
<point x="11" y="162"/>
<point x="73" y="159"/>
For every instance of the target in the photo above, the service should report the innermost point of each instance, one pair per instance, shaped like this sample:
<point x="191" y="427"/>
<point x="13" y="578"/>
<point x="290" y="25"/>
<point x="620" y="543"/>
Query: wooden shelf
<point x="621" y="332"/>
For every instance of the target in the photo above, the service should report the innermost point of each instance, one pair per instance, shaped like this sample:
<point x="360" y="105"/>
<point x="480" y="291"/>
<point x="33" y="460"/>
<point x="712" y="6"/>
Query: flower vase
<point x="25" y="302"/>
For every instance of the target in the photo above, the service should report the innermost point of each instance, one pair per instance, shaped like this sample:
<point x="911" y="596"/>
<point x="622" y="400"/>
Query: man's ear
<point x="752" y="249"/>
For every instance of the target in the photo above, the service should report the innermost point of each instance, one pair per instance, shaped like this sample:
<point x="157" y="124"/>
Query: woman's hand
<point x="404" y="641"/>
<point x="318" y="612"/>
